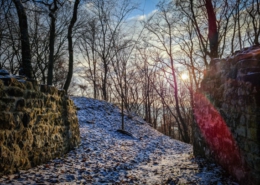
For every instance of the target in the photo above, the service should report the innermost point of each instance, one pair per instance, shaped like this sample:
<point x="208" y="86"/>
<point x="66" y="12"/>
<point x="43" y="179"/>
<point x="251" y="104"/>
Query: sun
<point x="184" y="76"/>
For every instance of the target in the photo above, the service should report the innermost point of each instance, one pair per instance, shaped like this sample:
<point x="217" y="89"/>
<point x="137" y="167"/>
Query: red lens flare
<point x="220" y="140"/>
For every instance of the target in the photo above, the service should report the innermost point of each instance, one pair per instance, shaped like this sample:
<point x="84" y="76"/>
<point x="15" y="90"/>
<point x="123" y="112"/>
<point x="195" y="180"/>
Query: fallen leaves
<point x="109" y="157"/>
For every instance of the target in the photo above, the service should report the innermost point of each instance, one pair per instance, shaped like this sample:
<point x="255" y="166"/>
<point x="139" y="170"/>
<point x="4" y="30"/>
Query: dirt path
<point x="106" y="156"/>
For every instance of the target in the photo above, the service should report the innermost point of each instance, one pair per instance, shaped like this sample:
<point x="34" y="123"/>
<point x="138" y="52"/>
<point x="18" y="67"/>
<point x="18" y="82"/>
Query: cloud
<point x="137" y="18"/>
<point x="143" y="17"/>
<point x="89" y="5"/>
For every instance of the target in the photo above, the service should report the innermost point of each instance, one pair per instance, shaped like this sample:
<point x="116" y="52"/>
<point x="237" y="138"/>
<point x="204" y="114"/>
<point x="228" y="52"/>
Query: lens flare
<point x="218" y="137"/>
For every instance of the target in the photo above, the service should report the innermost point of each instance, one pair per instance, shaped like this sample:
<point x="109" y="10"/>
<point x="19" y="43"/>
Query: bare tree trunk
<point x="213" y="31"/>
<point x="51" y="43"/>
<point x="95" y="79"/>
<point x="185" y="135"/>
<point x="26" y="51"/>
<point x="104" y="83"/>
<point x="239" y="27"/>
<point x="164" y="120"/>
<point x="122" y="111"/>
<point x="72" y="22"/>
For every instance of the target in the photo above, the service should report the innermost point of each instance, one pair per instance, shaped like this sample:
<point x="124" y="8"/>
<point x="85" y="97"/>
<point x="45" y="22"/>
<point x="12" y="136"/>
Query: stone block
<point x="44" y="88"/>
<point x="249" y="158"/>
<point x="29" y="85"/>
<point x="34" y="84"/>
<point x="52" y="90"/>
<point x="2" y="137"/>
<point x="252" y="134"/>
<point x="8" y="81"/>
<point x="6" y="120"/>
<point x="61" y="93"/>
<point x="5" y="106"/>
<point x="20" y="104"/>
<point x="33" y="95"/>
<point x="2" y="92"/>
<point x="14" y="91"/>
<point x="241" y="131"/>
<point x="35" y="103"/>
<point x="242" y="120"/>
<point x="8" y="100"/>
<point x="1" y="83"/>
<point x="26" y="120"/>
<point x="49" y="89"/>
<point x="256" y="163"/>
<point x="254" y="148"/>
<point x="254" y="178"/>
<point x="250" y="109"/>
<point x="252" y="121"/>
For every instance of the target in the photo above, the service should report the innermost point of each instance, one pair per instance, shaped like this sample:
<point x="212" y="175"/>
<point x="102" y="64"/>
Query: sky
<point x="145" y="8"/>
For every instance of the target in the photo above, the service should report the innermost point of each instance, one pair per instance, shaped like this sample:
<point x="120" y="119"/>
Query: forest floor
<point x="106" y="156"/>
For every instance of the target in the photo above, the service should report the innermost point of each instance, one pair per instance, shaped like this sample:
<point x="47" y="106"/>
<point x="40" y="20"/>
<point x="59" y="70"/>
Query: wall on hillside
<point x="37" y="123"/>
<point x="227" y="115"/>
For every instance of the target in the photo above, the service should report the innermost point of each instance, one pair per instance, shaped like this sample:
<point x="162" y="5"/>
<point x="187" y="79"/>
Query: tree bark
<point x="213" y="30"/>
<point x="26" y="50"/>
<point x="71" y="60"/>
<point x="51" y="43"/>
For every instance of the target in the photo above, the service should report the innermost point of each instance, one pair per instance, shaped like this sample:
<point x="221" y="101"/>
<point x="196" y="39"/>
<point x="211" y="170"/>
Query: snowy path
<point x="109" y="157"/>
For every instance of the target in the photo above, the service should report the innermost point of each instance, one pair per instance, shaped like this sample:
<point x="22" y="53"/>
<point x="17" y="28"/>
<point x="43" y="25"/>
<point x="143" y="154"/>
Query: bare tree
<point x="212" y="29"/>
<point x="253" y="10"/>
<point x="70" y="43"/>
<point x="162" y="27"/>
<point x="110" y="16"/>
<point x="26" y="50"/>
<point x="88" y="46"/>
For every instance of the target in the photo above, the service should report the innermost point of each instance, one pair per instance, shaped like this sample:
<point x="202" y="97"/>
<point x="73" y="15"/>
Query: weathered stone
<point x="44" y="88"/>
<point x="238" y="101"/>
<point x="253" y="78"/>
<point x="34" y="84"/>
<point x="252" y="134"/>
<point x="20" y="104"/>
<point x="4" y="106"/>
<point x="241" y="131"/>
<point x="9" y="81"/>
<point x="31" y="94"/>
<point x="52" y="90"/>
<point x="254" y="148"/>
<point x="3" y="72"/>
<point x="6" y="120"/>
<point x="29" y="85"/>
<point x="34" y="126"/>
<point x="61" y="92"/>
<point x="14" y="91"/>
<point x="35" y="103"/>
<point x="247" y="63"/>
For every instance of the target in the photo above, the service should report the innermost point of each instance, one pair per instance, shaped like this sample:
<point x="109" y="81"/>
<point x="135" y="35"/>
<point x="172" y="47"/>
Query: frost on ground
<point x="106" y="156"/>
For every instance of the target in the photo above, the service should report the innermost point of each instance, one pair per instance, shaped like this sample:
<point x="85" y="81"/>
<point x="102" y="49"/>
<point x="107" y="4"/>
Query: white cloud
<point x="137" y="18"/>
<point x="143" y="17"/>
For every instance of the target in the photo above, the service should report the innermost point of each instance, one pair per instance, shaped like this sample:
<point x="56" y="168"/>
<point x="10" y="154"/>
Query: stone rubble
<point x="106" y="156"/>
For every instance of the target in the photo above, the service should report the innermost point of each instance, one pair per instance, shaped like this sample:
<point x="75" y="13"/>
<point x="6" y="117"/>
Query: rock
<point x="4" y="72"/>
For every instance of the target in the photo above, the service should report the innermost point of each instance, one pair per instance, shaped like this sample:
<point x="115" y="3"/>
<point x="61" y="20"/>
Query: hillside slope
<point x="106" y="156"/>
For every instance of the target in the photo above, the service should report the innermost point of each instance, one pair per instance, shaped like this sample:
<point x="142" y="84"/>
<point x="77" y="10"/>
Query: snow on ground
<point x="106" y="156"/>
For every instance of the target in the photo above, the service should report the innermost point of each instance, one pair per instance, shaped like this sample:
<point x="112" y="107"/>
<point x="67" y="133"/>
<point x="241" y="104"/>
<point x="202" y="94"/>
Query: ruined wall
<point x="37" y="123"/>
<point x="227" y="114"/>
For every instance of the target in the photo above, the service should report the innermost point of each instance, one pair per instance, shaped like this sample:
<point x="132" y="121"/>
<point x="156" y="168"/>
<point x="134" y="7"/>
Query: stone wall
<point x="37" y="123"/>
<point x="227" y="115"/>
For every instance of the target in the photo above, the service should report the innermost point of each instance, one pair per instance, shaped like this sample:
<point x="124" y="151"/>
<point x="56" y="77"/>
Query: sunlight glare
<point x="184" y="76"/>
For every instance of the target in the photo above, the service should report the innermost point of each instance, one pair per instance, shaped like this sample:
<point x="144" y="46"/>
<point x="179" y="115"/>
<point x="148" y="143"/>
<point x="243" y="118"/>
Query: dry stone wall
<point x="227" y="115"/>
<point x="37" y="123"/>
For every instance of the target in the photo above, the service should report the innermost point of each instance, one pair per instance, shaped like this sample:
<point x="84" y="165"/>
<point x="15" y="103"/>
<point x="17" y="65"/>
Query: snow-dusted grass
<point x="106" y="156"/>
